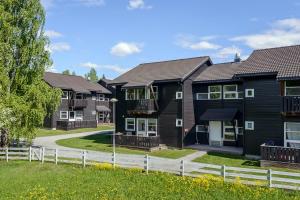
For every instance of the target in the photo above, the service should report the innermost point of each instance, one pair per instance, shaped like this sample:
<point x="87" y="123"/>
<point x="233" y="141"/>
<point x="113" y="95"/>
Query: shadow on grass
<point x="247" y="162"/>
<point x="99" y="138"/>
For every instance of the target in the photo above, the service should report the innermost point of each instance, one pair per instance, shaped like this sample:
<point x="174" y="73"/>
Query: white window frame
<point x="151" y="132"/>
<point x="224" y="132"/>
<point x="197" y="96"/>
<point x="100" y="97"/>
<point x="246" y="125"/>
<point x="126" y="94"/>
<point x="66" y="112"/>
<point x="137" y="97"/>
<point x="179" y="95"/>
<point x="230" y="92"/>
<point x="209" y="92"/>
<point x="76" y="115"/>
<point x="286" y="141"/>
<point x="126" y="124"/>
<point x="179" y="122"/>
<point x="197" y="128"/>
<point x="285" y="87"/>
<point x="64" y="94"/>
<point x="249" y="96"/>
<point x="101" y="116"/>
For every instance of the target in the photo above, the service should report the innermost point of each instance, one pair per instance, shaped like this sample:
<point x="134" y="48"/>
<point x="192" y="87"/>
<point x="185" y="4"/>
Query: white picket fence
<point x="270" y="178"/>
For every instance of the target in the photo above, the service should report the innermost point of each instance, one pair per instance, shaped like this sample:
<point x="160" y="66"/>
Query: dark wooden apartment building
<point x="83" y="104"/>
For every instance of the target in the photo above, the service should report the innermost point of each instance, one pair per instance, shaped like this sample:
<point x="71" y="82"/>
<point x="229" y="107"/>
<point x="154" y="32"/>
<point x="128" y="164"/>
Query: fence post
<point x="270" y="178"/>
<point x="56" y="156"/>
<point x="83" y="158"/>
<point x="6" y="154"/>
<point x="146" y="162"/>
<point x="182" y="167"/>
<point x="43" y="155"/>
<point x="113" y="159"/>
<point x="40" y="152"/>
<point x="30" y="154"/>
<point x="223" y="172"/>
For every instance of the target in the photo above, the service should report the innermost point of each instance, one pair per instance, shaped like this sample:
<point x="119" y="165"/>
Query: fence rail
<point x="269" y="178"/>
<point x="280" y="154"/>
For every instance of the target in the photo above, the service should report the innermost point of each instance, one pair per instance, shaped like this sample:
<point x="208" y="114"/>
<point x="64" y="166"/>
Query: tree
<point x="73" y="73"/>
<point x="92" y="75"/>
<point x="25" y="99"/>
<point x="66" y="72"/>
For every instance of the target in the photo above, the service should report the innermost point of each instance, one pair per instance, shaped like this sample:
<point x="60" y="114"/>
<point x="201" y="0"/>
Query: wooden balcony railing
<point x="78" y="103"/>
<point x="280" y="154"/>
<point x="291" y="104"/>
<point x="137" y="141"/>
<point x="145" y="106"/>
<point x="69" y="125"/>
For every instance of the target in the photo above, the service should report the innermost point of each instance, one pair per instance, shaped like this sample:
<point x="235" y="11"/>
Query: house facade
<point x="83" y="104"/>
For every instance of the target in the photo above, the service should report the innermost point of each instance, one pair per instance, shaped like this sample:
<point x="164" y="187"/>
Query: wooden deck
<point x="140" y="142"/>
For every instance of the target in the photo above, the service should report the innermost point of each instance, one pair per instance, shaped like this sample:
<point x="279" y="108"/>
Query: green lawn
<point x="234" y="161"/>
<point x="47" y="132"/>
<point x="103" y="143"/>
<point x="35" y="181"/>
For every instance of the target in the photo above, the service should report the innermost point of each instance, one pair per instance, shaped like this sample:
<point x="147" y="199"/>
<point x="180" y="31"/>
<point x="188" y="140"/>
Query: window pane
<point x="152" y="125"/>
<point x="230" y="88"/>
<point x="202" y="96"/>
<point x="64" y="95"/>
<point x="201" y="128"/>
<point x="292" y="126"/>
<point x="293" y="83"/>
<point x="130" y="94"/>
<point x="215" y="96"/>
<point x="141" y="93"/>
<point x="293" y="91"/>
<point x="230" y="95"/>
<point x="229" y="137"/>
<point x="215" y="88"/>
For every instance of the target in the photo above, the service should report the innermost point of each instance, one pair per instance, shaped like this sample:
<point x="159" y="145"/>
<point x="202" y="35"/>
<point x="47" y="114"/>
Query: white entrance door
<point x="72" y="116"/>
<point x="141" y="127"/>
<point x="215" y="133"/>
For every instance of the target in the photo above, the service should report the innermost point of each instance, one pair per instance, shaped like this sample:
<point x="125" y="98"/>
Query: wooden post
<point x="6" y="154"/>
<point x="43" y="155"/>
<point x="114" y="159"/>
<point x="83" y="158"/>
<point x="146" y="162"/>
<point x="56" y="156"/>
<point x="182" y="167"/>
<point x="270" y="178"/>
<point x="30" y="155"/>
<point x="223" y="172"/>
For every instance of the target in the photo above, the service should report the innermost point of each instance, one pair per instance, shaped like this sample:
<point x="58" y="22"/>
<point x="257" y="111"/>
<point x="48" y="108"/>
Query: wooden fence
<point x="263" y="177"/>
<point x="137" y="141"/>
<point x="280" y="154"/>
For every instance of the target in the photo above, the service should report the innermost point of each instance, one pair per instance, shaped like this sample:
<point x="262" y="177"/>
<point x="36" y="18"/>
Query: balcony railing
<point x="78" y="103"/>
<point x="280" y="154"/>
<point x="69" y="125"/>
<point x="291" y="104"/>
<point x="137" y="141"/>
<point x="145" y="106"/>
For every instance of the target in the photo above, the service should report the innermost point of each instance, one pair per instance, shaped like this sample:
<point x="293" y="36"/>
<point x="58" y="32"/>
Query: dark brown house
<point x="156" y="102"/>
<point x="83" y="103"/>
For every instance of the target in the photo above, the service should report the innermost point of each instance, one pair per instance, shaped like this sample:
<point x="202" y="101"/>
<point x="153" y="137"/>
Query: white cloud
<point x="114" y="68"/>
<point x="137" y="4"/>
<point x="282" y="33"/>
<point x="226" y="52"/>
<point x="53" y="34"/>
<point x="122" y="49"/>
<point x="58" y="47"/>
<point x="194" y="43"/>
<point x="91" y="3"/>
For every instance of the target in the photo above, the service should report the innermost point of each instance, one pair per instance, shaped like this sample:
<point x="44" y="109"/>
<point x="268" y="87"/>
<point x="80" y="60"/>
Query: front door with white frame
<point x="141" y="127"/>
<point x="72" y="116"/>
<point x="215" y="133"/>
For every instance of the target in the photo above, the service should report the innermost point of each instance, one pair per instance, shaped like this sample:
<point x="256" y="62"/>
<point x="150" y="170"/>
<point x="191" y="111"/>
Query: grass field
<point x="24" y="180"/>
<point x="47" y="132"/>
<point x="103" y="143"/>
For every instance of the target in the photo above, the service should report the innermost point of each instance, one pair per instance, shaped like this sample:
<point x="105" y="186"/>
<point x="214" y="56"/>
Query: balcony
<point x="78" y="103"/>
<point x="291" y="105"/>
<point x="70" y="125"/>
<point x="140" y="142"/>
<point x="142" y="106"/>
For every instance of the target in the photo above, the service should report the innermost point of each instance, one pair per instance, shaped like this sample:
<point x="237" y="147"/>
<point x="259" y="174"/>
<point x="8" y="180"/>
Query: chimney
<point x="237" y="57"/>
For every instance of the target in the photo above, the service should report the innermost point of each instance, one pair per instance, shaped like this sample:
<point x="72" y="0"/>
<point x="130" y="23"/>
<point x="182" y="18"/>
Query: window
<point x="292" y="88"/>
<point x="130" y="94"/>
<point x="141" y="93"/>
<point x="249" y="93"/>
<point x="152" y="127"/>
<point x="202" y="96"/>
<point x="94" y="98"/>
<point x="178" y="122"/>
<point x="79" y="115"/>
<point x="249" y="125"/>
<point x="229" y="132"/>
<point x="63" y="114"/>
<point x="101" y="116"/>
<point x="79" y="96"/>
<point x="214" y="92"/>
<point x="292" y="134"/>
<point x="100" y="97"/>
<point x="65" y="95"/>
<point x="230" y="92"/>
<point x="130" y="124"/>
<point x="178" y="95"/>
<point x="201" y="128"/>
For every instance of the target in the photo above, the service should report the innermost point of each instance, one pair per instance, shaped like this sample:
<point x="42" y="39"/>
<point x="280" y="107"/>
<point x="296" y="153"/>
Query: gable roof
<point x="75" y="83"/>
<point x="283" y="61"/>
<point x="219" y="72"/>
<point x="147" y="73"/>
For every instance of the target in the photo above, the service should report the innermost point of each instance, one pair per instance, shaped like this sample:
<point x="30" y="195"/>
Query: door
<point x="141" y="127"/>
<point x="72" y="116"/>
<point x="215" y="133"/>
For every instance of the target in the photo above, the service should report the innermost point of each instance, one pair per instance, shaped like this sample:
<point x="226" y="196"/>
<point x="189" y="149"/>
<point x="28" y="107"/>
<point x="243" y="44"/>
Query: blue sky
<point x="116" y="35"/>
